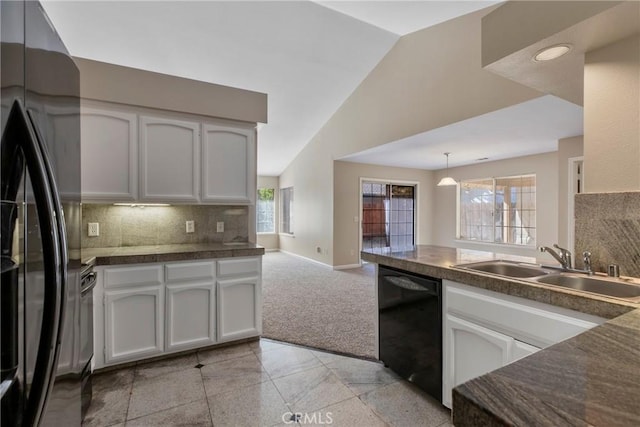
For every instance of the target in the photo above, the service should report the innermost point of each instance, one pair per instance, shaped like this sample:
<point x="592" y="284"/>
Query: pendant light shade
<point x="447" y="180"/>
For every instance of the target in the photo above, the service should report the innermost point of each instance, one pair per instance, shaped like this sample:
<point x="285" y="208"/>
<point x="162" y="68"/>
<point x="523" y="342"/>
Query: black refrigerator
<point x="41" y="363"/>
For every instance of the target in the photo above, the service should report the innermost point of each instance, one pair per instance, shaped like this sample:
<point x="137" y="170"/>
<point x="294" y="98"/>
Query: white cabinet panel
<point x="180" y="272"/>
<point x="134" y="326"/>
<point x="228" y="164"/>
<point x="239" y="266"/>
<point x="137" y="275"/>
<point x="239" y="308"/>
<point x="109" y="155"/>
<point x="522" y="349"/>
<point x="472" y="350"/>
<point x="190" y="315"/>
<point x="169" y="160"/>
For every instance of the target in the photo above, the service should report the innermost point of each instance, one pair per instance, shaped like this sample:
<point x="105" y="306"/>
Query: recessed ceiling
<point x="531" y="127"/>
<point x="307" y="57"/>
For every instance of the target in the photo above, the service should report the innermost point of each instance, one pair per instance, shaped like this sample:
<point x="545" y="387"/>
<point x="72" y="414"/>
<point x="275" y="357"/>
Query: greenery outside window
<point x="498" y="210"/>
<point x="286" y="210"/>
<point x="266" y="210"/>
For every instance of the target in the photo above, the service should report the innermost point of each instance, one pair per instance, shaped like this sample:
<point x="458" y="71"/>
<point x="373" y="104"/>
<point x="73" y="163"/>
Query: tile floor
<point x="260" y="383"/>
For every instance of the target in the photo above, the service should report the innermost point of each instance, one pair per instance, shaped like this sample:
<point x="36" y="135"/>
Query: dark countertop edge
<point x="111" y="257"/>
<point x="478" y="401"/>
<point x="605" y="307"/>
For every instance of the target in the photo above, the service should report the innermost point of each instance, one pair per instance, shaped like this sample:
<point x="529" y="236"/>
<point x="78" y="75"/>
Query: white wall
<point x="431" y="78"/>
<point x="346" y="232"/>
<point x="612" y="117"/>
<point x="270" y="240"/>
<point x="545" y="166"/>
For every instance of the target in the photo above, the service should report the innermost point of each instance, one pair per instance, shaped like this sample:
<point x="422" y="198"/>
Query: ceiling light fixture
<point x="551" y="52"/>
<point x="447" y="180"/>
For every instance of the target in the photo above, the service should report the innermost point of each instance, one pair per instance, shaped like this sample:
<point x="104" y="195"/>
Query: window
<point x="286" y="210"/>
<point x="266" y="210"/>
<point x="499" y="210"/>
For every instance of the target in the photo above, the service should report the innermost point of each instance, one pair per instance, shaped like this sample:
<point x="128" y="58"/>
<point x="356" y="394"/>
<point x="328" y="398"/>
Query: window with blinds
<point x="286" y="210"/>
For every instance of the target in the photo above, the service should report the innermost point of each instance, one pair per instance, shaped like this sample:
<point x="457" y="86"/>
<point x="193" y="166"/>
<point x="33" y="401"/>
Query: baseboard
<point x="346" y="266"/>
<point x="272" y="250"/>
<point x="307" y="259"/>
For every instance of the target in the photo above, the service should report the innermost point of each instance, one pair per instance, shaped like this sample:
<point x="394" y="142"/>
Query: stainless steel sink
<point x="591" y="284"/>
<point x="506" y="268"/>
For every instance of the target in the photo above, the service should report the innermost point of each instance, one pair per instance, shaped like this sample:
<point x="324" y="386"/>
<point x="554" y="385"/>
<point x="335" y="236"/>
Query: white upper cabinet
<point x="109" y="155"/>
<point x="228" y="164"/>
<point x="169" y="166"/>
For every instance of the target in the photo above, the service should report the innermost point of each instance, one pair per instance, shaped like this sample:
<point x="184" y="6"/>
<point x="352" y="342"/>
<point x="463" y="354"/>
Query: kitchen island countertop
<point x="590" y="379"/>
<point x="168" y="253"/>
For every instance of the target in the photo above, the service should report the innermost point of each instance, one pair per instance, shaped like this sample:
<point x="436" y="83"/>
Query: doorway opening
<point x="388" y="214"/>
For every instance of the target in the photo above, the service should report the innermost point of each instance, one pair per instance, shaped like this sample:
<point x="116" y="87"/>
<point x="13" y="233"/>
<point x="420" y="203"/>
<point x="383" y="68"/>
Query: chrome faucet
<point x="564" y="258"/>
<point x="586" y="259"/>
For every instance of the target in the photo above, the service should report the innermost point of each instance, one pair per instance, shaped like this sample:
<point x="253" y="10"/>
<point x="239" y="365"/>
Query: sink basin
<point x="594" y="285"/>
<point x="506" y="268"/>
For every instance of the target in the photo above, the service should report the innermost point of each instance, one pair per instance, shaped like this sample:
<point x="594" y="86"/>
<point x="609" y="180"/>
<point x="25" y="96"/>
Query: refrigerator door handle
<point x="20" y="139"/>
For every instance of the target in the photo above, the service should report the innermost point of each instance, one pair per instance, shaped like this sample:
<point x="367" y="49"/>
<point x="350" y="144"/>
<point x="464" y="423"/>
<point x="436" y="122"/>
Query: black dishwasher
<point x="410" y="327"/>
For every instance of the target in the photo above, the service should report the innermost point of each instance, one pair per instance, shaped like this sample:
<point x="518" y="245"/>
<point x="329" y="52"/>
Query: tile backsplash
<point x="608" y="226"/>
<point x="162" y="225"/>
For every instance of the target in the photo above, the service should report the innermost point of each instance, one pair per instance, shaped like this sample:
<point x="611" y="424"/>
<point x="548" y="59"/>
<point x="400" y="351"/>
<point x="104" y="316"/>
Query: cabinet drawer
<point x="133" y="276"/>
<point x="190" y="271"/>
<point x="240" y="266"/>
<point x="522" y="319"/>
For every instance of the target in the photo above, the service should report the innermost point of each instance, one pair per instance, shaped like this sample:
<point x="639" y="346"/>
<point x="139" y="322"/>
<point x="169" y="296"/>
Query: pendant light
<point x="447" y="180"/>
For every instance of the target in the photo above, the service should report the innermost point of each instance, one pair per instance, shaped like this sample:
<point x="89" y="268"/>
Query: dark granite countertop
<point x="590" y="379"/>
<point x="437" y="261"/>
<point x="168" y="253"/>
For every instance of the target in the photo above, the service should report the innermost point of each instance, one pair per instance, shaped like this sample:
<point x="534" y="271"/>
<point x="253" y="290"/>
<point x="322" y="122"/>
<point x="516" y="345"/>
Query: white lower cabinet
<point x="474" y="350"/>
<point x="190" y="316"/>
<point x="485" y="330"/>
<point x="239" y="308"/>
<point x="133" y="324"/>
<point x="146" y="310"/>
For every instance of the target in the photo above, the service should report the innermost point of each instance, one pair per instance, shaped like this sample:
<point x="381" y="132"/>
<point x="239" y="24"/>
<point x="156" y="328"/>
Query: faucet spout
<point x="564" y="257"/>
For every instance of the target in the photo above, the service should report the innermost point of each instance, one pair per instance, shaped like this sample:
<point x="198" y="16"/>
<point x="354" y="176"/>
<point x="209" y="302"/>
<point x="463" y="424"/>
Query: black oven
<point x="410" y="327"/>
<point x="88" y="282"/>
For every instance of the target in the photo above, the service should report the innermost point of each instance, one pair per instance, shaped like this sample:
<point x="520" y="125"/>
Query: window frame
<point x="275" y="219"/>
<point x="494" y="181"/>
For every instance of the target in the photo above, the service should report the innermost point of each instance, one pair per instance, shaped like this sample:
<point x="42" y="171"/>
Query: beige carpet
<point x="313" y="305"/>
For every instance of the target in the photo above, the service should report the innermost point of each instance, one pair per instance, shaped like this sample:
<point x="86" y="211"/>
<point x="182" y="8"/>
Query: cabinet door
<point x="228" y="165"/>
<point x="190" y="318"/>
<point x="134" y="324"/>
<point x="471" y="350"/>
<point x="169" y="160"/>
<point x="522" y="349"/>
<point x="239" y="308"/>
<point x="109" y="155"/>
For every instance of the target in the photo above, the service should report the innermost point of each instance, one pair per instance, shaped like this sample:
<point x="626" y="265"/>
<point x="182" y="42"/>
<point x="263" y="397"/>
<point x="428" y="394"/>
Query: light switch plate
<point x="190" y="226"/>
<point x="220" y="227"/>
<point x="94" y="229"/>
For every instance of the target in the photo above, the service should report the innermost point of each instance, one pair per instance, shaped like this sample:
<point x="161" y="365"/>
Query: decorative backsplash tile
<point x="162" y="225"/>
<point x="608" y="226"/>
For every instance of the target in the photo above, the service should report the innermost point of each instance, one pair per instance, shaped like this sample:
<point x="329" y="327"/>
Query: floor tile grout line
<point x="206" y="396"/>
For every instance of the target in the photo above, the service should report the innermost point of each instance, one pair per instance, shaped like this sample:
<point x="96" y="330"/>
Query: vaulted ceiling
<point x="307" y="56"/>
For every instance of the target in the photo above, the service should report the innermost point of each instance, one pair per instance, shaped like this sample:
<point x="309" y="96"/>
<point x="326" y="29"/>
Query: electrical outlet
<point x="220" y="227"/>
<point x="94" y="229"/>
<point x="190" y="226"/>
